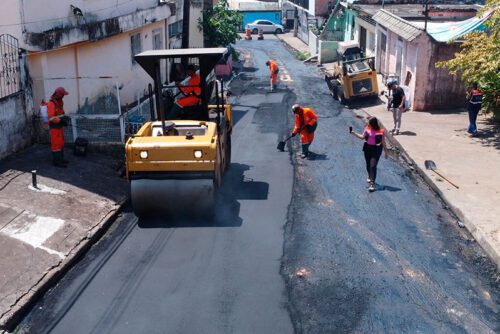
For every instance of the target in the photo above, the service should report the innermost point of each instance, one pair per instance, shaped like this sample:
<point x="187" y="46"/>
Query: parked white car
<point x="266" y="26"/>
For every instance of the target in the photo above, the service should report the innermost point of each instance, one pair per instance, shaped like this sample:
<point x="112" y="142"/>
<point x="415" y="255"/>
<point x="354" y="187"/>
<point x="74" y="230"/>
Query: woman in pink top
<point x="374" y="138"/>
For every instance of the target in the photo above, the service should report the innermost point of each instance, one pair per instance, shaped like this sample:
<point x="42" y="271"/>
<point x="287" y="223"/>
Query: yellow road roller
<point x="175" y="161"/>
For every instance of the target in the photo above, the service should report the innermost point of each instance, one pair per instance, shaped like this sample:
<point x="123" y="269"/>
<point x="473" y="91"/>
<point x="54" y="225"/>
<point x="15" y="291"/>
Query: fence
<point x="135" y="117"/>
<point x="98" y="119"/>
<point x="10" y="71"/>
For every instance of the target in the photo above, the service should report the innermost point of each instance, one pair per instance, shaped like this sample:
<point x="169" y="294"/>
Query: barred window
<point x="10" y="76"/>
<point x="175" y="29"/>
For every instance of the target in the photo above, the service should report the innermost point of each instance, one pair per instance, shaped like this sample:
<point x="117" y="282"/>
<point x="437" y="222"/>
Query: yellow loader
<point x="353" y="76"/>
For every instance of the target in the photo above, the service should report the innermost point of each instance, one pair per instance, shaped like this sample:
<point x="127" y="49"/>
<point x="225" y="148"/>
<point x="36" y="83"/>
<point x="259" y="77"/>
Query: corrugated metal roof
<point x="397" y="25"/>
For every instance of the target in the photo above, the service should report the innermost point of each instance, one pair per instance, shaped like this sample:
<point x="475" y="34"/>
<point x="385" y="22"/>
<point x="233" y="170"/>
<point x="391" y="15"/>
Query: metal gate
<point x="10" y="71"/>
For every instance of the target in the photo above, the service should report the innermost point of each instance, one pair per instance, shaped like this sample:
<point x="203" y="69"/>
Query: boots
<point x="305" y="151"/>
<point x="57" y="159"/>
<point x="62" y="158"/>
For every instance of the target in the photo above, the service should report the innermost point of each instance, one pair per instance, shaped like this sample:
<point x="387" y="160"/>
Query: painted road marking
<point x="34" y="230"/>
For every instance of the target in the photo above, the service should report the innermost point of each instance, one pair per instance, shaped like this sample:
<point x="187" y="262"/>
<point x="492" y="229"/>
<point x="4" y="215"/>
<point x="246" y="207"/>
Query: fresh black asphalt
<point x="296" y="246"/>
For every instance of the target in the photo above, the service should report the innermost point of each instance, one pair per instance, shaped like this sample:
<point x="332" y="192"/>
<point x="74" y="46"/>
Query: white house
<point x="87" y="46"/>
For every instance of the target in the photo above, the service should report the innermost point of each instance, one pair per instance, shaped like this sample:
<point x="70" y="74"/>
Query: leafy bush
<point x="220" y="25"/>
<point x="302" y="55"/>
<point x="479" y="59"/>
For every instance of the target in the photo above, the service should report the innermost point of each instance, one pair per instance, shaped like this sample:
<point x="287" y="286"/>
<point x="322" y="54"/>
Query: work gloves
<point x="65" y="120"/>
<point x="294" y="134"/>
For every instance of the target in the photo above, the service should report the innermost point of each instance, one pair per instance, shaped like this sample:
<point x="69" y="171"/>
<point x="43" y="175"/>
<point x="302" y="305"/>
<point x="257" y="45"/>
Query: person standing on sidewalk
<point x="57" y="121"/>
<point x="474" y="103"/>
<point x="306" y="123"/>
<point x="374" y="137"/>
<point x="397" y="104"/>
<point x="273" y="69"/>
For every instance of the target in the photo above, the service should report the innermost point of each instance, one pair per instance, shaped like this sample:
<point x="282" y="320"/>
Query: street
<point x="296" y="245"/>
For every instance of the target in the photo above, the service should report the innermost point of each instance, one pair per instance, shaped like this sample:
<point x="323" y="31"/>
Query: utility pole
<point x="185" y="24"/>
<point x="426" y="13"/>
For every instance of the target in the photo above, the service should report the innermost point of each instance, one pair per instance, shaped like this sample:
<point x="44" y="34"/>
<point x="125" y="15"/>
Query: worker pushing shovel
<point x="306" y="123"/>
<point x="274" y="70"/>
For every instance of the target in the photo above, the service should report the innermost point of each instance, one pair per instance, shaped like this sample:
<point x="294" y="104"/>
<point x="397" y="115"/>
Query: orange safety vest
<point x="476" y="96"/>
<point x="54" y="110"/>
<point x="192" y="90"/>
<point x="272" y="68"/>
<point x="373" y="138"/>
<point x="308" y="117"/>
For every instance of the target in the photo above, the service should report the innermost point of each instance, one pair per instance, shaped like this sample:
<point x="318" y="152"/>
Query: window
<point x="175" y="29"/>
<point x="371" y="41"/>
<point x="135" y="45"/>
<point x="157" y="39"/>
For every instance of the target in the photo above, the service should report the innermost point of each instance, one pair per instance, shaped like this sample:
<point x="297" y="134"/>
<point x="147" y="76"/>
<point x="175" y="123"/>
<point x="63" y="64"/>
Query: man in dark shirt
<point x="397" y="104"/>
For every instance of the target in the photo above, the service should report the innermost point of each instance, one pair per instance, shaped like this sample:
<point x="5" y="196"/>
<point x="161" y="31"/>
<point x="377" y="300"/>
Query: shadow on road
<point x="407" y="133"/>
<point x="235" y="187"/>
<point x="382" y="187"/>
<point x="238" y="114"/>
<point x="249" y="69"/>
<point x="317" y="156"/>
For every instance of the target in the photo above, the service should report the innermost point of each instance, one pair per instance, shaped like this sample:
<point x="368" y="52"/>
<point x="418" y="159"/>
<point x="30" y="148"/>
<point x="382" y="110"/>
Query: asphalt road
<point x="297" y="246"/>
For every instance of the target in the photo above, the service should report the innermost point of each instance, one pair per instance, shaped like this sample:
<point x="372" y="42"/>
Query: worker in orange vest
<point x="474" y="103"/>
<point x="306" y="123"/>
<point x="191" y="93"/>
<point x="57" y="121"/>
<point x="273" y="69"/>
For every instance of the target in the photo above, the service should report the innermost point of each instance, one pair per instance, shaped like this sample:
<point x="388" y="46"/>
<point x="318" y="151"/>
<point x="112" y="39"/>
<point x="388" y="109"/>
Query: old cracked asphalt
<point x="351" y="262"/>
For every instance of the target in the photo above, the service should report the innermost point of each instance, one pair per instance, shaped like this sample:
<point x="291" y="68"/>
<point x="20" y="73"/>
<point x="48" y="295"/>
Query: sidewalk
<point x="42" y="231"/>
<point x="293" y="42"/>
<point x="471" y="163"/>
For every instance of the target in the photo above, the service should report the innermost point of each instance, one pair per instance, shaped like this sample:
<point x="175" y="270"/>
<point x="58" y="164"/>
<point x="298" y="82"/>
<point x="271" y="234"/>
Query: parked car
<point x="266" y="26"/>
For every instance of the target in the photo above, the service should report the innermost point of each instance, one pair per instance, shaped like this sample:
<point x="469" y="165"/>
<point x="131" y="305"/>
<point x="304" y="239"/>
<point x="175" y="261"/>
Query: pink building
<point x="408" y="52"/>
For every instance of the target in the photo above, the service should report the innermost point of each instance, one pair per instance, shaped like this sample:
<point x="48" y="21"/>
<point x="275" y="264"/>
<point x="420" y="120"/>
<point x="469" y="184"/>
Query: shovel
<point x="281" y="144"/>
<point x="431" y="165"/>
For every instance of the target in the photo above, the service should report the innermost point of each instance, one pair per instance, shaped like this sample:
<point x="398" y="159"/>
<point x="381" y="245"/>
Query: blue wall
<point x="273" y="16"/>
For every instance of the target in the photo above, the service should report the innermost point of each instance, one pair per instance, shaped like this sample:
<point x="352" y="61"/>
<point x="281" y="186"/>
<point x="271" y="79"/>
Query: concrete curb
<point x="53" y="275"/>
<point x="478" y="235"/>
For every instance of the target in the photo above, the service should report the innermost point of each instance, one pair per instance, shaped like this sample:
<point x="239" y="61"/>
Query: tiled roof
<point x="397" y="25"/>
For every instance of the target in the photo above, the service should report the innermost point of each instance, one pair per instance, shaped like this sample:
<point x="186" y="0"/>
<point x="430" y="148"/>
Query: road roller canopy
<point x="207" y="58"/>
<point x="168" y="66"/>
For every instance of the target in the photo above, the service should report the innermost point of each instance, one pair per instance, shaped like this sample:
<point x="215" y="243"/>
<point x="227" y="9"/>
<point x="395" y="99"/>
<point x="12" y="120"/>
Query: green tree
<point x="479" y="58"/>
<point x="220" y="25"/>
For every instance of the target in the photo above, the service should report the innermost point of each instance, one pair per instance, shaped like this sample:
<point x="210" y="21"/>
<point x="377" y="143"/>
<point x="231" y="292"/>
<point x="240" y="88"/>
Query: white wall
<point x="10" y="18"/>
<point x="42" y="15"/>
<point x="370" y="33"/>
<point x="195" y="36"/>
<point x="110" y="57"/>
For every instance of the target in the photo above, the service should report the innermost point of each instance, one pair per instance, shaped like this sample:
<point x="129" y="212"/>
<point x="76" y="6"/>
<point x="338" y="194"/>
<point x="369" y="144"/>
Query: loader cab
<point x="352" y="59"/>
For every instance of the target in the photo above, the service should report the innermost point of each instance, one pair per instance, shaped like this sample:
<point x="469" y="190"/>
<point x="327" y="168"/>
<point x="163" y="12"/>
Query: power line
<point x="62" y="18"/>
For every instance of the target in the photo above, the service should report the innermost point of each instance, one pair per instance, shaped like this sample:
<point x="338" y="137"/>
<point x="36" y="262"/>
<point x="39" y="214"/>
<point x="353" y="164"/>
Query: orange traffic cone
<point x="248" y="33"/>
